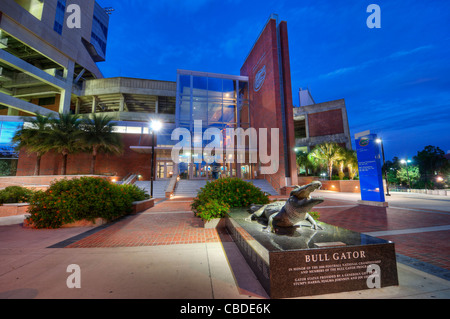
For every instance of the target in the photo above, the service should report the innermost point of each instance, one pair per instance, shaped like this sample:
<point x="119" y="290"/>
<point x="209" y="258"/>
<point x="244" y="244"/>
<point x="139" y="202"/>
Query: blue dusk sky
<point x="395" y="79"/>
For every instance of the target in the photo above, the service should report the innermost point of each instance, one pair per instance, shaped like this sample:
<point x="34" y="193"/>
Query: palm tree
<point x="348" y="159"/>
<point x="34" y="138"/>
<point x="329" y="153"/>
<point x="65" y="136"/>
<point x="351" y="161"/>
<point x="98" y="136"/>
<point x="340" y="166"/>
<point x="303" y="161"/>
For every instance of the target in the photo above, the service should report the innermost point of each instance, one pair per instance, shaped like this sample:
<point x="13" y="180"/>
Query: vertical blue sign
<point x="369" y="165"/>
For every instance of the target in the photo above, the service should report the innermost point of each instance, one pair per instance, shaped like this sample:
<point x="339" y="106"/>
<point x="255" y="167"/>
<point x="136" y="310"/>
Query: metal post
<point x="152" y="164"/>
<point x="385" y="170"/>
<point x="409" y="180"/>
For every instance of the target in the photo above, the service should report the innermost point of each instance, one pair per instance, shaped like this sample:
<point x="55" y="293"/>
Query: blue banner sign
<point x="369" y="165"/>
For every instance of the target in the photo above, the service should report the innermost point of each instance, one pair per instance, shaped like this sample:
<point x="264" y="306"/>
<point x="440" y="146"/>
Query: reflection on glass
<point x="215" y="88"/>
<point x="229" y="112"/>
<point x="215" y="112"/>
<point x="213" y="100"/>
<point x="199" y="110"/>
<point x="229" y="89"/>
<point x="185" y="84"/>
<point x="185" y="110"/>
<point x="199" y="86"/>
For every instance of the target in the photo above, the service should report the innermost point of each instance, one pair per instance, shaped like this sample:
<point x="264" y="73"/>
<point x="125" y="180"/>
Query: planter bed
<point x="22" y="209"/>
<point x="13" y="209"/>
<point x="143" y="205"/>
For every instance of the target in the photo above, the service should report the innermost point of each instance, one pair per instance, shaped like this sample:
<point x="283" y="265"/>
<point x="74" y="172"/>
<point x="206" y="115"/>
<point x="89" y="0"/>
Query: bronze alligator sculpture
<point x="289" y="213"/>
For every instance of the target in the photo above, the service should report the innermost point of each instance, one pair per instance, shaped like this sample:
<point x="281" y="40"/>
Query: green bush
<point x="314" y="215"/>
<point x="15" y="194"/>
<point x="138" y="194"/>
<point x="228" y="192"/>
<point x="212" y="209"/>
<point x="67" y="201"/>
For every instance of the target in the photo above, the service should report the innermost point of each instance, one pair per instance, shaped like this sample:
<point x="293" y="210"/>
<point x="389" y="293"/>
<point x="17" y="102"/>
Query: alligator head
<point x="304" y="192"/>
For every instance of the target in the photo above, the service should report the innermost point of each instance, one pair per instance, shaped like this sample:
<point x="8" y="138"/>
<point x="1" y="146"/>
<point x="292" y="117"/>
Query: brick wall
<point x="325" y="123"/>
<point x="117" y="165"/>
<point x="266" y="103"/>
<point x="336" y="186"/>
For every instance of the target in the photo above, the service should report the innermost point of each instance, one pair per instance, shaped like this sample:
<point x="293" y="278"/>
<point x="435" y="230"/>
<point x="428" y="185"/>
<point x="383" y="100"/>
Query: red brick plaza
<point x="171" y="222"/>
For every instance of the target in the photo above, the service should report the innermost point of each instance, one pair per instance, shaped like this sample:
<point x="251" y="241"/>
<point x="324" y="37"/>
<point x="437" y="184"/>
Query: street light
<point x="155" y="126"/>
<point x="407" y="172"/>
<point x="380" y="141"/>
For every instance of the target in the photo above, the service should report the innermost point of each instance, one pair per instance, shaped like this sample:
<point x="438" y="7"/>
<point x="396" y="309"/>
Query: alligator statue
<point x="290" y="213"/>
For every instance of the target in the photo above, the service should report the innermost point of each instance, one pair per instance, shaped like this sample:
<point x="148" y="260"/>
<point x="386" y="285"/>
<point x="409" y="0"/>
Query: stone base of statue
<point x="302" y="261"/>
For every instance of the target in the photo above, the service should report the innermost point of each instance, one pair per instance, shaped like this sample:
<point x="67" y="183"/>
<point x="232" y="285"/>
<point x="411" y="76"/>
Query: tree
<point x="341" y="164"/>
<point x="65" y="136"/>
<point x="431" y="161"/>
<point x="303" y="161"/>
<point x="34" y="138"/>
<point x="409" y="174"/>
<point x="98" y="136"/>
<point x="351" y="161"/>
<point x="328" y="153"/>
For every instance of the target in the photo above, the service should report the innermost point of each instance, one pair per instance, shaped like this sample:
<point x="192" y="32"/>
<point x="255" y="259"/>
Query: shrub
<point x="15" y="194"/>
<point x="67" y="201"/>
<point x="314" y="215"/>
<point x="137" y="194"/>
<point x="228" y="192"/>
<point x="212" y="209"/>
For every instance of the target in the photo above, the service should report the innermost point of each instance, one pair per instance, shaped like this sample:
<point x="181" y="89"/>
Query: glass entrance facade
<point x="218" y="101"/>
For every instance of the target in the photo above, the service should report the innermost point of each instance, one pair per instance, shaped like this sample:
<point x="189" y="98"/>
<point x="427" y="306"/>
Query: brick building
<point x="48" y="68"/>
<point x="317" y="123"/>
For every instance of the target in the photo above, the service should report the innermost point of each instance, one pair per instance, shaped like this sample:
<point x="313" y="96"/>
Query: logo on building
<point x="259" y="79"/>
<point x="363" y="142"/>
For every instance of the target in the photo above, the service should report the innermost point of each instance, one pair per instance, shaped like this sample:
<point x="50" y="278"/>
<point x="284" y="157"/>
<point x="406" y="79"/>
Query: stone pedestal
<point x="309" y="262"/>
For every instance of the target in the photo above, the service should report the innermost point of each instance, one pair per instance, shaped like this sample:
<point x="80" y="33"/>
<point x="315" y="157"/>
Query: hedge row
<point x="85" y="198"/>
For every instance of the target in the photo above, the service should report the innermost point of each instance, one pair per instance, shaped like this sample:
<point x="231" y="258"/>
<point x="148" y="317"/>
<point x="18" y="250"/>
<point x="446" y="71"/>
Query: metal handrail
<point x="126" y="177"/>
<point x="130" y="179"/>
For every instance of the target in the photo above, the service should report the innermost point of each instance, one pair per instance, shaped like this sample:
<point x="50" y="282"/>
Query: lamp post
<point x="155" y="127"/>
<point x="380" y="141"/>
<point x="407" y="172"/>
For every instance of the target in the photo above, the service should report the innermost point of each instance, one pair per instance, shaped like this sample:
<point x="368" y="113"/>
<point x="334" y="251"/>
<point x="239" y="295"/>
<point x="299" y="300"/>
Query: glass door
<point x="161" y="170"/>
<point x="200" y="171"/>
<point x="164" y="169"/>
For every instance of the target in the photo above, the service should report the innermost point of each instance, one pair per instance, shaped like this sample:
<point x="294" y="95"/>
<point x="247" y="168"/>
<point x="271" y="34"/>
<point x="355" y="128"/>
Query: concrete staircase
<point x="159" y="187"/>
<point x="264" y="185"/>
<point x="188" y="188"/>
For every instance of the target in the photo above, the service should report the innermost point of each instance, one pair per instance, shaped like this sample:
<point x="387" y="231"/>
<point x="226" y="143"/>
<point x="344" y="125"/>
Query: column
<point x="66" y="92"/>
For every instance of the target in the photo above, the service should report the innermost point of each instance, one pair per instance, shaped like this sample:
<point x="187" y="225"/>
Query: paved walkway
<point x="419" y="234"/>
<point x="165" y="253"/>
